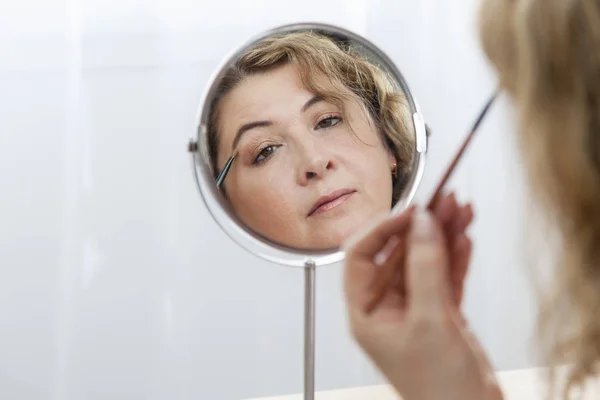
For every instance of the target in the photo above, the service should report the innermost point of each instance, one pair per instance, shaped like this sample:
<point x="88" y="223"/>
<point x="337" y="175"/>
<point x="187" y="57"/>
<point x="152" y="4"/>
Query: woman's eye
<point x="264" y="154"/>
<point x="328" y="122"/>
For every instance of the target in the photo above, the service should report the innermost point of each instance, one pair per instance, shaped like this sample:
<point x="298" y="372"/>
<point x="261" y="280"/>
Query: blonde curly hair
<point x="348" y="69"/>
<point x="547" y="54"/>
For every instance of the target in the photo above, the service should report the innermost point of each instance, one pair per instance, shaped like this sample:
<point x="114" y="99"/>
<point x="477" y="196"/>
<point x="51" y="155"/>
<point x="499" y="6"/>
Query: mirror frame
<point x="237" y="231"/>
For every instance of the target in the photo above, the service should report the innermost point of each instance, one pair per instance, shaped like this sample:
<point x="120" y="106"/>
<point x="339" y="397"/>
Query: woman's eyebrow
<point x="261" y="124"/>
<point x="247" y="127"/>
<point x="311" y="102"/>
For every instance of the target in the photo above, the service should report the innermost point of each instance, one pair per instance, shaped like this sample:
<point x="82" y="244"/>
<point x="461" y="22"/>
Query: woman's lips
<point x="332" y="200"/>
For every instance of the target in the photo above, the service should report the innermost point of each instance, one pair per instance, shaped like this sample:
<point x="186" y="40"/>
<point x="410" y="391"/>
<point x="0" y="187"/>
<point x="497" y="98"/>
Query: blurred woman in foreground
<point x="547" y="55"/>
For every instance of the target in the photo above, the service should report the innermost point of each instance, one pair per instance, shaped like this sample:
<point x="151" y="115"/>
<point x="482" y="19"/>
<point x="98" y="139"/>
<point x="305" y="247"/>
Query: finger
<point x="367" y="245"/>
<point x="445" y="209"/>
<point x="461" y="257"/>
<point x="386" y="279"/>
<point x="427" y="266"/>
<point x="461" y="248"/>
<point x="361" y="269"/>
<point x="435" y="200"/>
<point x="382" y="256"/>
<point x="399" y="285"/>
<point x="462" y="219"/>
<point x="388" y="260"/>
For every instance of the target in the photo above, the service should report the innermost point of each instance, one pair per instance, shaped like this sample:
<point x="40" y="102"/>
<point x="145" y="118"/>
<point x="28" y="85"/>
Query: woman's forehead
<point x="263" y="96"/>
<point x="265" y="89"/>
<point x="268" y="95"/>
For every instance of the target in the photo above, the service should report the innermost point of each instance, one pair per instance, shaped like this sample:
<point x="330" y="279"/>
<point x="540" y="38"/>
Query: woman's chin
<point x="335" y="235"/>
<point x="321" y="240"/>
<point x="328" y="233"/>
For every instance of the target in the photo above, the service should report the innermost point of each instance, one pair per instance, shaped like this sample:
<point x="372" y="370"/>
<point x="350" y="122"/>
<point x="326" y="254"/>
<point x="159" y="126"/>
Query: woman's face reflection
<point x="303" y="177"/>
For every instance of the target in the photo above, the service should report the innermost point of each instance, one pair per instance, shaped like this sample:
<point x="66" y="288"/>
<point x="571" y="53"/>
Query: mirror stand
<point x="310" y="273"/>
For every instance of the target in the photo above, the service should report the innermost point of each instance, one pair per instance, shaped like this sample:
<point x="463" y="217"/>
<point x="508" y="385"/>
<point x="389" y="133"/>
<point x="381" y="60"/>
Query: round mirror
<point x="306" y="133"/>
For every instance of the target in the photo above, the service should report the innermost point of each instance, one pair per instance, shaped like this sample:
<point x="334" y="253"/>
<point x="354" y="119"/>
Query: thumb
<point x="427" y="261"/>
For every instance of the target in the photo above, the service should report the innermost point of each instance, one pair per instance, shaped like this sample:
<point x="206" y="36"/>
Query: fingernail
<point x="423" y="228"/>
<point x="380" y="258"/>
<point x="385" y="253"/>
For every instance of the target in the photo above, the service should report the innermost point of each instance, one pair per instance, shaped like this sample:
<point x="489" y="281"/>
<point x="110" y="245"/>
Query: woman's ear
<point x="392" y="160"/>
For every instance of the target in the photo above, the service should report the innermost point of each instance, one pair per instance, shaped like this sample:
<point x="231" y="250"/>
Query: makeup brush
<point x="460" y="153"/>
<point x="226" y="168"/>
<point x="395" y="262"/>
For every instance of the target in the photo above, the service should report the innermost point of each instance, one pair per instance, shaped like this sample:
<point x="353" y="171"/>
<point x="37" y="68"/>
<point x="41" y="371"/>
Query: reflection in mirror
<point x="309" y="137"/>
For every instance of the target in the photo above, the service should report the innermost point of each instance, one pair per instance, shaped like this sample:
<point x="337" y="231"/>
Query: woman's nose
<point x="318" y="170"/>
<point x="316" y="165"/>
